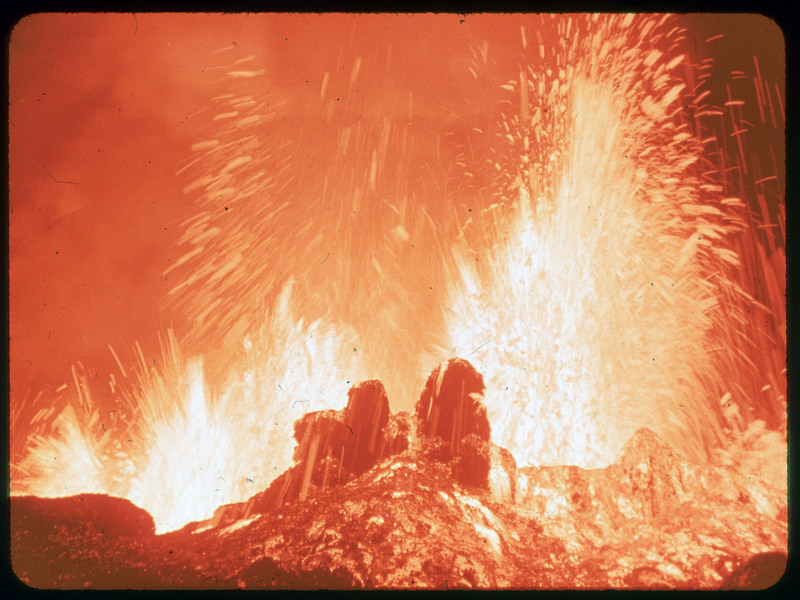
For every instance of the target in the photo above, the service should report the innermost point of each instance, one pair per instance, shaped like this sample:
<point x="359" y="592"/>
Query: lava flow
<point x="520" y="278"/>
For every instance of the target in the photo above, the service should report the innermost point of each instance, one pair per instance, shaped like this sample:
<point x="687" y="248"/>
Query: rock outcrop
<point x="332" y="448"/>
<point x="97" y="514"/>
<point x="427" y="501"/>
<point x="406" y="523"/>
<point x="451" y="405"/>
<point x="451" y="411"/>
<point x="397" y="434"/>
<point x="366" y="415"/>
<point x="646" y="482"/>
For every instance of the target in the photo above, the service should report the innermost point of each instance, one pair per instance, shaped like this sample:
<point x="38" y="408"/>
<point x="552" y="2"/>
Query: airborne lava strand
<point x="575" y="244"/>
<point x="601" y="297"/>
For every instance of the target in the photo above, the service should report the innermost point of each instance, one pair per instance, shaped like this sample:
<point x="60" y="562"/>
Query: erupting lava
<point x="570" y="208"/>
<point x="599" y="304"/>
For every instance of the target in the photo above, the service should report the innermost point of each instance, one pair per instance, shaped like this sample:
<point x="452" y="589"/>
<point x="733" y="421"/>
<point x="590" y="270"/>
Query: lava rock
<point x="453" y="426"/>
<point x="223" y="515"/>
<point x="653" y="473"/>
<point x="267" y="573"/>
<point x="569" y="489"/>
<point x="407" y="523"/>
<point x="332" y="448"/>
<point x="91" y="541"/>
<point x="401" y="525"/>
<point x="451" y="405"/>
<point x="322" y="441"/>
<point x="656" y="479"/>
<point x="99" y="514"/>
<point x="295" y="484"/>
<point x="502" y="475"/>
<point x="472" y="464"/>
<point x="658" y="520"/>
<point x="396" y="434"/>
<point x="321" y="438"/>
<point x="759" y="572"/>
<point x="366" y="415"/>
<point x="451" y="410"/>
<point x="646" y="482"/>
<point x="316" y="433"/>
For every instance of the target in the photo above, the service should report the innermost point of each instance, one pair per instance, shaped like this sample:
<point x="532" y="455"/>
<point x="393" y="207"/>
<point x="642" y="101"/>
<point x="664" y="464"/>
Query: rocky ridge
<point x="425" y="500"/>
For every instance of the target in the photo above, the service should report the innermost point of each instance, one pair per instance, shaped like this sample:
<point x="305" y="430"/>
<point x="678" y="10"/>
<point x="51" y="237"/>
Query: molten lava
<point x="566" y="202"/>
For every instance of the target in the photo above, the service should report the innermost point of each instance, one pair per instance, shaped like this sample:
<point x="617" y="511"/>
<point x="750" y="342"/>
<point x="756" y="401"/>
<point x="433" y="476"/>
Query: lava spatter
<point x="573" y="205"/>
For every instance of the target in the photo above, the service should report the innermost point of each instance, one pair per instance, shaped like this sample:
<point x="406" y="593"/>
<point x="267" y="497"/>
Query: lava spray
<point x="607" y="299"/>
<point x="567" y="228"/>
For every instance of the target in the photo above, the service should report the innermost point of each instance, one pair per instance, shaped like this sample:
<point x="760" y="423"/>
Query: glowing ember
<point x="595" y="314"/>
<point x="570" y="210"/>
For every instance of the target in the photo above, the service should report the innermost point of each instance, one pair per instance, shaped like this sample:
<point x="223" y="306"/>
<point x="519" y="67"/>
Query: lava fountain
<point x="599" y="308"/>
<point x="565" y="213"/>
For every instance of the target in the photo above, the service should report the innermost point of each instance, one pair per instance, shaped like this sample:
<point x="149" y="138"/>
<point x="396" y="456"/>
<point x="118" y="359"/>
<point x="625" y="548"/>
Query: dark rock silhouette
<point x="321" y="438"/>
<point x="366" y="414"/>
<point x="92" y="540"/>
<point x="451" y="404"/>
<point x="266" y="573"/>
<point x="451" y="410"/>
<point x="334" y="446"/>
<point x="98" y="514"/>
<point x="759" y="572"/>
<point x="472" y="464"/>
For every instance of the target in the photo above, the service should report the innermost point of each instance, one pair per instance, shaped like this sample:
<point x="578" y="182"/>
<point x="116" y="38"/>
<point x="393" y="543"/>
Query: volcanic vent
<point x="380" y="501"/>
<point x="423" y="301"/>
